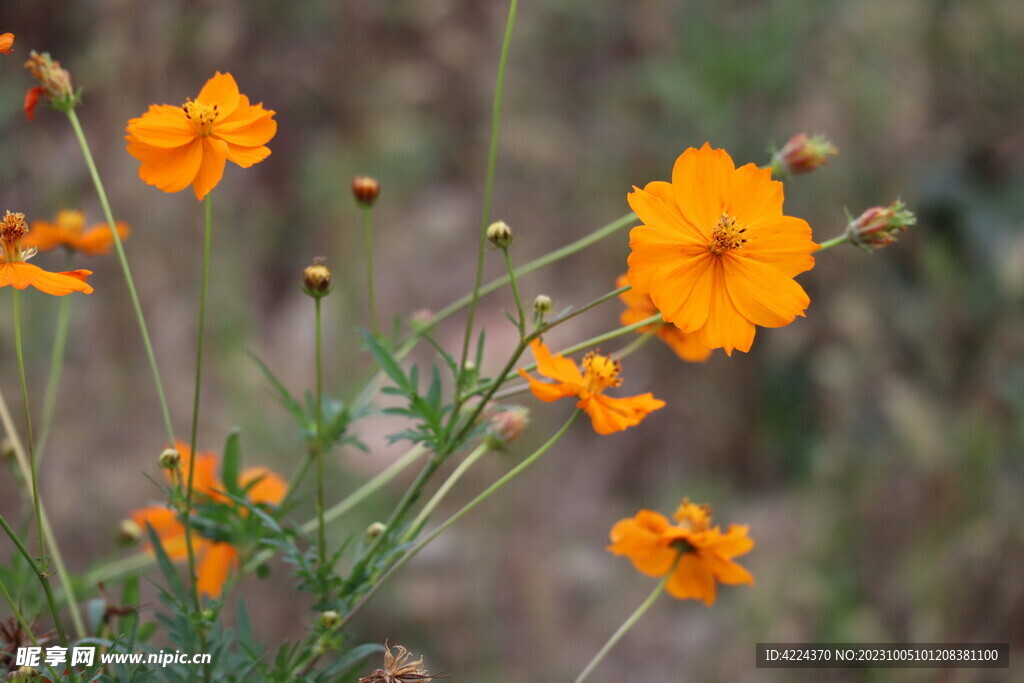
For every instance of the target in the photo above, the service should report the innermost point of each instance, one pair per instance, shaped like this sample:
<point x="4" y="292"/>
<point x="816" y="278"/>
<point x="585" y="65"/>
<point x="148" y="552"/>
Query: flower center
<point x="201" y="115"/>
<point x="726" y="236"/>
<point x="601" y="372"/>
<point x="12" y="229"/>
<point x="71" y="222"/>
<point x="692" y="517"/>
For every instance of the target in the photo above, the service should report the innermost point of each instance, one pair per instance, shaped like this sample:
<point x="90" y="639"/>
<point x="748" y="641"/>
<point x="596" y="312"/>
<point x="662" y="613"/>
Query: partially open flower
<point x="398" y="668"/>
<point x="506" y="426"/>
<point x="18" y="274"/>
<point x="803" y="154"/>
<point x="54" y="81"/>
<point x="499" y="234"/>
<point x="170" y="459"/>
<point x="316" y="278"/>
<point x="6" y="43"/>
<point x="543" y="304"/>
<point x="878" y="226"/>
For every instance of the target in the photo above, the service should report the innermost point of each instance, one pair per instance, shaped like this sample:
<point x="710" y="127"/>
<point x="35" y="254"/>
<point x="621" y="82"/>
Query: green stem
<point x="628" y="624"/>
<point x="512" y="474"/>
<point x="207" y="239"/>
<point x="835" y="241"/>
<point x="492" y="161"/>
<point x="60" y="338"/>
<point x="634" y="345"/>
<point x="43" y="579"/>
<point x="370" y="280"/>
<point x="17" y="614"/>
<point x="101" y="193"/>
<point x="319" y="444"/>
<point x="521" y="324"/>
<point x="432" y="504"/>
<point x="33" y="464"/>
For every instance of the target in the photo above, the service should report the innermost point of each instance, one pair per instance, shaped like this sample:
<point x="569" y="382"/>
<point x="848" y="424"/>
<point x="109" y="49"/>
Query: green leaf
<point x="232" y="463"/>
<point x="386" y="361"/>
<point x="166" y="566"/>
<point x="130" y="598"/>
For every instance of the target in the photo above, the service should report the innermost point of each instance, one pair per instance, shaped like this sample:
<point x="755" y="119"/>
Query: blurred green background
<point x="874" y="448"/>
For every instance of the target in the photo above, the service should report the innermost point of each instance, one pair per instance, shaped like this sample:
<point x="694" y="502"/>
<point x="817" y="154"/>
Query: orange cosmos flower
<point x="653" y="545"/>
<point x="18" y="274"/>
<point x="640" y="307"/>
<point x="607" y="414"/>
<point x="7" y="43"/>
<point x="188" y="145"/>
<point x="715" y="253"/>
<point x="68" y="231"/>
<point x="216" y="559"/>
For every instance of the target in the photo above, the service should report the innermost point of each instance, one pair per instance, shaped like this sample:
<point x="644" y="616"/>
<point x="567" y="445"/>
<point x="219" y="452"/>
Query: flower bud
<point x="376" y="529"/>
<point x="499" y="234"/>
<point x="170" y="459"/>
<point x="128" y="533"/>
<point x="505" y="426"/>
<point x="803" y="154"/>
<point x="365" y="189"/>
<point x="330" y="619"/>
<point x="24" y="673"/>
<point x="421" y="319"/>
<point x="317" y="279"/>
<point x="54" y="80"/>
<point x="542" y="304"/>
<point x="877" y="227"/>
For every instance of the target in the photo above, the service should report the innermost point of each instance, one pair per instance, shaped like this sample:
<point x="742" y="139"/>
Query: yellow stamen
<point x="201" y="115"/>
<point x="601" y="372"/>
<point x="726" y="236"/>
<point x="12" y="229"/>
<point x="693" y="517"/>
<point x="71" y="222"/>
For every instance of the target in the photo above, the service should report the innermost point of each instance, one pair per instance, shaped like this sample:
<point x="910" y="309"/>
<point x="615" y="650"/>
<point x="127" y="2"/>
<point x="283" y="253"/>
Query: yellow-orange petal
<point x="222" y="91"/>
<point x="683" y="291"/>
<point x="784" y="242"/>
<point x="547" y="391"/>
<point x="762" y="294"/>
<point x="702" y="180"/>
<point x="755" y="197"/>
<point x="249" y="127"/>
<point x="215" y="154"/>
<point x="21" y="275"/>
<point x="726" y="327"/>
<point x="684" y="344"/>
<point x="555" y="367"/>
<point x="44" y="236"/>
<point x="640" y="539"/>
<point x="166" y="526"/>
<point x="170" y="170"/>
<point x="247" y="156"/>
<point x="163" y="126"/>
<point x="206" y="480"/>
<point x="270" y="487"/>
<point x="653" y="248"/>
<point x="656" y="205"/>
<point x="6" y="43"/>
<point x="217" y="564"/>
<point x="692" y="578"/>
<point x="609" y="415"/>
<point x="98" y="239"/>
<point x="730" y="544"/>
<point x="32" y="101"/>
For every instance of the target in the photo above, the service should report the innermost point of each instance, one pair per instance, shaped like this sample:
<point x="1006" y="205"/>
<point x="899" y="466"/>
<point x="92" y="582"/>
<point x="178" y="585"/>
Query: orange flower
<point x="640" y="307"/>
<point x="607" y="414"/>
<point x="68" y="230"/>
<point x="7" y="43"/>
<point x="704" y="554"/>
<point x="216" y="559"/>
<point x="18" y="274"/>
<point x="188" y="145"/>
<point x="715" y="253"/>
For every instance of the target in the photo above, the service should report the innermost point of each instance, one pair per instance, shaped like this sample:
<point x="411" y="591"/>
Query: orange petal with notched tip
<point x="270" y="487"/>
<point x="222" y="91"/>
<point x="21" y="275"/>
<point x="215" y="567"/>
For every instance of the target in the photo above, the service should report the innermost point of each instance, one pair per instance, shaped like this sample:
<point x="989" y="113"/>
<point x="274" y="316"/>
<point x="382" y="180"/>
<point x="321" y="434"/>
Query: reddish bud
<point x="878" y="226"/>
<point x="803" y="154"/>
<point x="365" y="189"/>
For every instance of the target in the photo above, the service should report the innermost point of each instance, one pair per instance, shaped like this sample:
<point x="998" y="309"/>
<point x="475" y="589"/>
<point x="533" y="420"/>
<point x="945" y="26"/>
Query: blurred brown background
<point x="874" y="448"/>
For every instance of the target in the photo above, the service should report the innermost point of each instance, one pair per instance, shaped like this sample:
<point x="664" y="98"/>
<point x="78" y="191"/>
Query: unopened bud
<point x="803" y="154"/>
<point x="376" y="529"/>
<point x="365" y="189"/>
<point x="505" y="426"/>
<point x="330" y="619"/>
<point x="499" y="234"/>
<point x="878" y="226"/>
<point x="421" y="319"/>
<point x="129" y="532"/>
<point x="317" y="279"/>
<point x="170" y="459"/>
<point x="54" y="80"/>
<point x="207" y="615"/>
<point x="542" y="304"/>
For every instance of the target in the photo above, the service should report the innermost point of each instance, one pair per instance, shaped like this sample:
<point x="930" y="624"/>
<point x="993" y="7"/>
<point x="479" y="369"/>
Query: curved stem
<point x="17" y="614"/>
<point x="60" y="339"/>
<point x="101" y="193"/>
<point x="492" y="161"/>
<point x="432" y="504"/>
<point x="627" y="624"/>
<point x="319" y="445"/>
<point x="512" y="474"/>
<point x="835" y="241"/>
<point x="521" y="320"/>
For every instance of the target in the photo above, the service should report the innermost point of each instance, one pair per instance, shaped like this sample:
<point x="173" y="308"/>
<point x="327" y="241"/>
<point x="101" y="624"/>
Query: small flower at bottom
<point x="189" y="145"/>
<point x="6" y="43"/>
<point x="68" y="230"/>
<point x="398" y="668"/>
<point x="216" y="558"/>
<point x="697" y="554"/>
<point x="607" y="414"/>
<point x="640" y="307"/>
<point x="14" y="271"/>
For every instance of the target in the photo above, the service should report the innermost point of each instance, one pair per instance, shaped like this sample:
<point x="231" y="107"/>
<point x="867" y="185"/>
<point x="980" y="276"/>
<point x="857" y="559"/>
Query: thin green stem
<point x="44" y="581"/>
<point x="370" y="280"/>
<point x="207" y="239"/>
<point x="319" y="445"/>
<point x="521" y="320"/>
<point x="634" y="345"/>
<point x="627" y="624"/>
<point x="17" y="613"/>
<point x="835" y="241"/>
<point x="436" y="499"/>
<point x="492" y="162"/>
<point x="60" y="338"/>
<point x="509" y="476"/>
<point x="101" y="193"/>
<point x="33" y="464"/>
